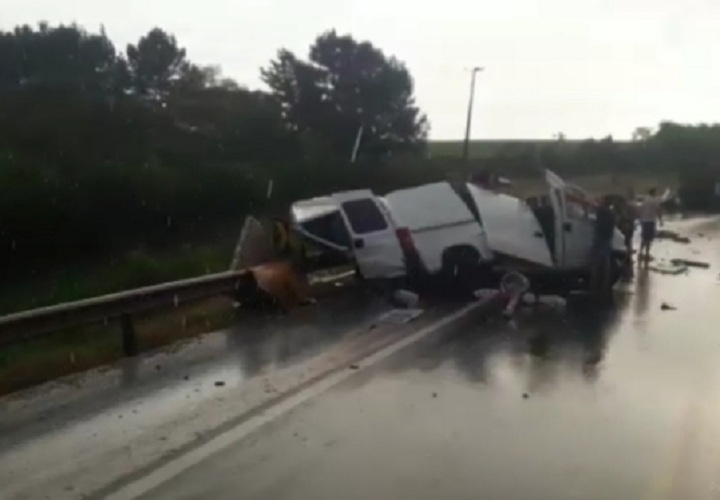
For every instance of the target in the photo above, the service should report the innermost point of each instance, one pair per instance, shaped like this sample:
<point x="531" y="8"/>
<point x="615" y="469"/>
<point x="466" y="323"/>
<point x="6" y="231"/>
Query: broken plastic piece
<point x="400" y="316"/>
<point x="666" y="268"/>
<point x="690" y="263"/>
<point x="405" y="298"/>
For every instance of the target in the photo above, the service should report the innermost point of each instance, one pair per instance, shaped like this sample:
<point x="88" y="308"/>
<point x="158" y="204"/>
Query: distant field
<point x="604" y="183"/>
<point x="599" y="184"/>
<point x="487" y="148"/>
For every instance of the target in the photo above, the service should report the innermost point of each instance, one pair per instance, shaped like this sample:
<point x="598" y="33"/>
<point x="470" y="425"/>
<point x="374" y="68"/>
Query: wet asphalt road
<point x="558" y="404"/>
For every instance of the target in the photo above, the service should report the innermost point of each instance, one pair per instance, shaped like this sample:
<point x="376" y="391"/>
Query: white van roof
<point x="312" y="208"/>
<point x="429" y="205"/>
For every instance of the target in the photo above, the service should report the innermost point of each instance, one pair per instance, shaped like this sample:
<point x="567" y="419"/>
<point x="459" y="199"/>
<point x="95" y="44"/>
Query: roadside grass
<point x="133" y="269"/>
<point x="61" y="353"/>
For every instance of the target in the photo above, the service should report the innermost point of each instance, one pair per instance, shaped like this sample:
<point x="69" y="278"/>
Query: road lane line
<point x="176" y="466"/>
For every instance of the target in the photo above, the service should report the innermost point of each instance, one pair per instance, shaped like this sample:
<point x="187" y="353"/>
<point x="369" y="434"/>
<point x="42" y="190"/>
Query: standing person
<point x="626" y="223"/>
<point x="600" y="279"/>
<point x="649" y="213"/>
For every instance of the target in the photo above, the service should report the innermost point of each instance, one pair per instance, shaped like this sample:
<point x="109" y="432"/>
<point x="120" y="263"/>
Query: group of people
<point x="624" y="215"/>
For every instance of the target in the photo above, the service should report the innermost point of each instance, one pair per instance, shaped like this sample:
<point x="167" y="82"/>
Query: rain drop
<point x="176" y="301"/>
<point x="169" y="221"/>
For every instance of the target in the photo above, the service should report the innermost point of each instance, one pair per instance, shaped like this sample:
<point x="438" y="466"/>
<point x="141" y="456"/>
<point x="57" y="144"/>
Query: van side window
<point x="364" y="216"/>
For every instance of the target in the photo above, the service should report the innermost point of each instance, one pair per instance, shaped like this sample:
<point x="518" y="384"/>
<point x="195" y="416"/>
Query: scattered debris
<point x="372" y="327"/>
<point x="667" y="307"/>
<point x="690" y="263"/>
<point x="400" y="316"/>
<point x="434" y="394"/>
<point x="525" y="395"/>
<point x="539" y="345"/>
<point x="666" y="234"/>
<point x="530" y="299"/>
<point x="354" y="367"/>
<point x="405" y="298"/>
<point x="513" y="285"/>
<point x="485" y="293"/>
<point x="668" y="268"/>
<point x="158" y="367"/>
<point x="219" y="383"/>
<point x="186" y="377"/>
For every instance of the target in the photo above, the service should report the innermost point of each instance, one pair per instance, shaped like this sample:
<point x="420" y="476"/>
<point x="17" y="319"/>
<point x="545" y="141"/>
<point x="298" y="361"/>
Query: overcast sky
<point x="587" y="68"/>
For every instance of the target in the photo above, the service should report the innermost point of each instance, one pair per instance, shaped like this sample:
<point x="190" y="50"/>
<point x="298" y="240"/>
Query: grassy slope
<point x="488" y="148"/>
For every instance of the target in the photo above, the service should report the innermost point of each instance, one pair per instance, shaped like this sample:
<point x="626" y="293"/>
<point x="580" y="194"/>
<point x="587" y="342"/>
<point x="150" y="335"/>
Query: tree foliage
<point x="156" y="62"/>
<point x="346" y="85"/>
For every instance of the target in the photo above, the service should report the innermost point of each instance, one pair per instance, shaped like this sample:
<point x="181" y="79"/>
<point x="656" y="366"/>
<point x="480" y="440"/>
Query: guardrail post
<point x="129" y="338"/>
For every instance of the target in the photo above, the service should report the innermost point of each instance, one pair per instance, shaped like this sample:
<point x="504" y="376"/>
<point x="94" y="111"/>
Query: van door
<point x="574" y="222"/>
<point x="557" y="199"/>
<point x="579" y="232"/>
<point x="375" y="245"/>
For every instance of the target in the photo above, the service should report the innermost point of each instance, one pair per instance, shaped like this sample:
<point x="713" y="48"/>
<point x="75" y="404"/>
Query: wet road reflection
<point x="608" y="404"/>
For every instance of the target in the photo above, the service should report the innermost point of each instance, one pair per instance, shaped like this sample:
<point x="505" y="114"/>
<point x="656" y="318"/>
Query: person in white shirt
<point x="649" y="213"/>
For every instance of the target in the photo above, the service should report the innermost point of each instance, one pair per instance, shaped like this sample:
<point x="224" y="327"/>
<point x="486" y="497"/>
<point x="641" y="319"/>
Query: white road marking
<point x="176" y="466"/>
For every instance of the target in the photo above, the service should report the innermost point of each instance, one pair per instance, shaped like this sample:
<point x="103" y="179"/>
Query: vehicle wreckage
<point x="459" y="236"/>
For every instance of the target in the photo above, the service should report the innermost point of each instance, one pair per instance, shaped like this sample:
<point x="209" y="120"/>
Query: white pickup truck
<point x="462" y="234"/>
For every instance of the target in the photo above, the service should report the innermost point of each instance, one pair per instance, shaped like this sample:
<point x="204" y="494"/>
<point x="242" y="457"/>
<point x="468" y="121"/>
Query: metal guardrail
<point x="122" y="306"/>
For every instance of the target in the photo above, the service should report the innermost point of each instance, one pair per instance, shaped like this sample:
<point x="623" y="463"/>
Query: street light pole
<point x="466" y="144"/>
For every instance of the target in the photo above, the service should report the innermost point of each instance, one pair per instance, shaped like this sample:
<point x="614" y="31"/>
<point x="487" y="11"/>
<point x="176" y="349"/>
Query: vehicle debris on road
<point x="400" y="316"/>
<point x="668" y="268"/>
<point x="690" y="263"/>
<point x="666" y="234"/>
<point x="405" y="298"/>
<point x="667" y="307"/>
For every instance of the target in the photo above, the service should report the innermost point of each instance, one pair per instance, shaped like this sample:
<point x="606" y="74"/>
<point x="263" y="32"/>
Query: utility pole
<point x="466" y="145"/>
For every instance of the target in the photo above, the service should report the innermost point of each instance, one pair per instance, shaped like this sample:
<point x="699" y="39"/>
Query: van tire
<point x="459" y="264"/>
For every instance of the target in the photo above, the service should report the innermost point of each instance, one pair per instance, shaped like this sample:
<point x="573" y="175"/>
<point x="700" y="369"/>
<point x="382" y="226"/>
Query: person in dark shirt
<point x="602" y="247"/>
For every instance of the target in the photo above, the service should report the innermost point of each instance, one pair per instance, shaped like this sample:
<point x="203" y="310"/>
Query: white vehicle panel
<point x="375" y="244"/>
<point x="432" y="243"/>
<point x="437" y="219"/>
<point x="511" y="227"/>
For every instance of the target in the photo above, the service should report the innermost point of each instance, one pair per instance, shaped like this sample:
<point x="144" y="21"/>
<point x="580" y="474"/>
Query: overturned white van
<point x="463" y="234"/>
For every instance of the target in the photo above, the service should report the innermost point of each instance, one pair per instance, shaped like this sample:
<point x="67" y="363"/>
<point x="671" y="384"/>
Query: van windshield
<point x="364" y="216"/>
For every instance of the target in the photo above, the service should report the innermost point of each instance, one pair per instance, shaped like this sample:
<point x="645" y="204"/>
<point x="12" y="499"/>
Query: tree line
<point x="102" y="148"/>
